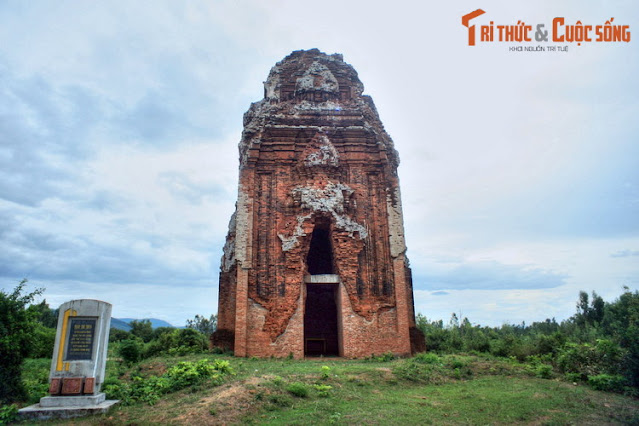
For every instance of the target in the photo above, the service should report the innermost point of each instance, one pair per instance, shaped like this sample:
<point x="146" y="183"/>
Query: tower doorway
<point x="320" y="320"/>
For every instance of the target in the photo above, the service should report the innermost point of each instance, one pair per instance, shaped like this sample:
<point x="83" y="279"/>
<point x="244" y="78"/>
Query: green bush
<point x="142" y="329"/>
<point x="543" y="371"/>
<point x="427" y="358"/>
<point x="325" y="372"/>
<point x="177" y="342"/>
<point x="385" y="357"/>
<point x="35" y="377"/>
<point x="117" y="335"/>
<point x="8" y="413"/>
<point x="322" y="390"/>
<point x="153" y="348"/>
<point x="417" y="372"/>
<point x="16" y="338"/>
<point x="43" y="340"/>
<point x="180" y="376"/>
<point x="189" y="373"/>
<point x="607" y="382"/>
<point x="130" y="351"/>
<point x="192" y="340"/>
<point x="589" y="360"/>
<point x="297" y="389"/>
<point x="223" y="366"/>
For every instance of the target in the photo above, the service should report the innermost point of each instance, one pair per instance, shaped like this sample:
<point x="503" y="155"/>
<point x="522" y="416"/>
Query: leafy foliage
<point x="202" y="324"/>
<point x="45" y="315"/>
<point x="117" y="335"/>
<point x="142" y="329"/>
<point x="599" y="344"/>
<point x="17" y="324"/>
<point x="130" y="350"/>
<point x="8" y="413"/>
<point x="42" y="342"/>
<point x="182" y="375"/>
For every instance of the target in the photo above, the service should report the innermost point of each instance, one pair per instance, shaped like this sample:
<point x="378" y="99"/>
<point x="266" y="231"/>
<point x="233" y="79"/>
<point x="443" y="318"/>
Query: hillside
<point x="120" y="324"/>
<point x="124" y="322"/>
<point x="428" y="389"/>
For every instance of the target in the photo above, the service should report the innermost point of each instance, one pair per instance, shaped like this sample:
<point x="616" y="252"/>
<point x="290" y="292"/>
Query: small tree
<point x="45" y="315"/>
<point x="142" y="329"/>
<point x="17" y="324"/>
<point x="202" y="324"/>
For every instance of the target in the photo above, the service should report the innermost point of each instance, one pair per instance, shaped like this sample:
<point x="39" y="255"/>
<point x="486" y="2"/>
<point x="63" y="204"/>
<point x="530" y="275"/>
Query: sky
<point x="119" y="126"/>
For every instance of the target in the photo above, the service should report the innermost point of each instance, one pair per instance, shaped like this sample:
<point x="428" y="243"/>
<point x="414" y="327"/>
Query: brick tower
<point x="314" y="261"/>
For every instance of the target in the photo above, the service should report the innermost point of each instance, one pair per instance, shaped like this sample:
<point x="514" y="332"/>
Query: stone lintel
<point x="322" y="279"/>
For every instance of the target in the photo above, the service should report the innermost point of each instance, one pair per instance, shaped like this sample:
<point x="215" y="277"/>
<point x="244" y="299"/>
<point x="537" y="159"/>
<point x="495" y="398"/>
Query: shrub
<point x="322" y="390"/>
<point x="193" y="339"/>
<point x="297" y="389"/>
<point x="543" y="371"/>
<point x="385" y="357"/>
<point x="180" y="376"/>
<point x="223" y="366"/>
<point x="142" y="329"/>
<point x="16" y="337"/>
<point x="590" y="360"/>
<point x="8" y="413"/>
<point x="416" y="372"/>
<point x="428" y="358"/>
<point x="325" y="372"/>
<point x="187" y="373"/>
<point x="130" y="351"/>
<point x="43" y="340"/>
<point x="117" y="335"/>
<point x="35" y="377"/>
<point x="183" y="341"/>
<point x="607" y="382"/>
<point x="153" y="348"/>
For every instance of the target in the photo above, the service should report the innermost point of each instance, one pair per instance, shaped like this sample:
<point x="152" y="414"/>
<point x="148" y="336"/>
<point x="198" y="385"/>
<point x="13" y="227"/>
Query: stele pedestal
<point x="78" y="363"/>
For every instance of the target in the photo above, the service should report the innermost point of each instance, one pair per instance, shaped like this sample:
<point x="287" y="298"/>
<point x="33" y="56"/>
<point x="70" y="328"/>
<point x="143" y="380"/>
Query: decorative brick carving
<point x="318" y="194"/>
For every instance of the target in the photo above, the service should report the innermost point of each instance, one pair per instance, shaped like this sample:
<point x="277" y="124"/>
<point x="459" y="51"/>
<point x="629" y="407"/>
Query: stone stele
<point x="315" y="258"/>
<point x="78" y="364"/>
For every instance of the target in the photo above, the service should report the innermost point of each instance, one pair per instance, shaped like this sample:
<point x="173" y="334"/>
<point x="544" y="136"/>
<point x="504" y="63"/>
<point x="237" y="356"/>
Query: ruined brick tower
<point x="314" y="261"/>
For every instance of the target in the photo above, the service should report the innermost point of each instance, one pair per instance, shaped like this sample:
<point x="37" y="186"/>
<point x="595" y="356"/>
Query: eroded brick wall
<point x="314" y="152"/>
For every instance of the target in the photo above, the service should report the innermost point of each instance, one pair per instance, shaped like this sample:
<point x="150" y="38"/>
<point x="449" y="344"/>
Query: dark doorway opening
<point x="320" y="320"/>
<point x="320" y="254"/>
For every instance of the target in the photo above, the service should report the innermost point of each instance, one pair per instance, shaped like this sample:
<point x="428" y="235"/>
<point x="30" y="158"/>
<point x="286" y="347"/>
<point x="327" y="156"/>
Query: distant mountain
<point x="155" y="323"/>
<point x="120" y="325"/>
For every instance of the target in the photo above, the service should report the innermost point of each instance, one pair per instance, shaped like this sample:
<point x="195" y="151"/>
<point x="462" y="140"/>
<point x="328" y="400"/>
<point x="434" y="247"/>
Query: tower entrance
<point x="320" y="310"/>
<point x="320" y="320"/>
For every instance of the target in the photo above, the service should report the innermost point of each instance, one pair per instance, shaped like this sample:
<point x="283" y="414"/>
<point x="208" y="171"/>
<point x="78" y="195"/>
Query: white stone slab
<point x="36" y="411"/>
<point x="72" y="401"/>
<point x="321" y="279"/>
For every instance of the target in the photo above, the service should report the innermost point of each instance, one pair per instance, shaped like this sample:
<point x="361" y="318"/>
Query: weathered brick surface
<point x="314" y="156"/>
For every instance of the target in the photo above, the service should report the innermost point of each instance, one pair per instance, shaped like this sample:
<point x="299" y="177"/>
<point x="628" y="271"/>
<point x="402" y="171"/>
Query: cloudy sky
<point x="119" y="125"/>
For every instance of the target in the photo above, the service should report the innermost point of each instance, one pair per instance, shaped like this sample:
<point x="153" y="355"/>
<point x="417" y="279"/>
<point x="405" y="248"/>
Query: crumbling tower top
<point x="312" y="89"/>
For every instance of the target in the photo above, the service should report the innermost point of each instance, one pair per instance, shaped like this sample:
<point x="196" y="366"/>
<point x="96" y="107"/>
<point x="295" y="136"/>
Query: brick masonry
<point x="316" y="165"/>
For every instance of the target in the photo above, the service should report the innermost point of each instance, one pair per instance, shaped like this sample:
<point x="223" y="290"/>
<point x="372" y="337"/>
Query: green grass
<point x="445" y="390"/>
